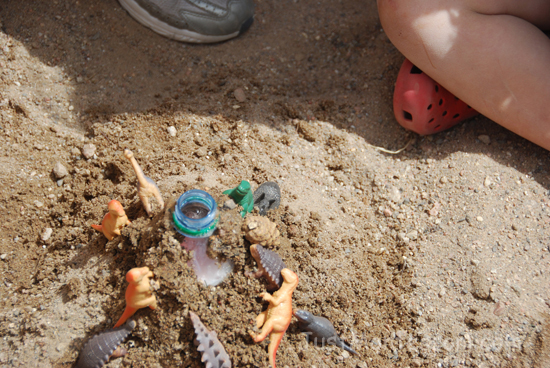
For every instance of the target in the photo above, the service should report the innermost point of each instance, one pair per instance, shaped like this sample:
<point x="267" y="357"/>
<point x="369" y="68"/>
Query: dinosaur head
<point x="135" y="275"/>
<point x="243" y="188"/>
<point x="290" y="278"/>
<point x="128" y="154"/>
<point x="303" y="315"/>
<point x="115" y="208"/>
<point x="254" y="252"/>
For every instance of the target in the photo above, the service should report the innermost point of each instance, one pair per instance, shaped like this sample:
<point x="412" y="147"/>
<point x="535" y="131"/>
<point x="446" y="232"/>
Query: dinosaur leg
<point x="97" y="227"/>
<point x="268" y="327"/>
<point x="159" y="199"/>
<point x="150" y="302"/>
<point x="128" y="312"/>
<point x="145" y="200"/>
<point x="260" y="320"/>
<point x="276" y="338"/>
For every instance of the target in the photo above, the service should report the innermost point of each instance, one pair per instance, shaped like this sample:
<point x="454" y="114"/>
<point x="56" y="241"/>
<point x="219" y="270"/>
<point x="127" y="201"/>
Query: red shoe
<point x="422" y="105"/>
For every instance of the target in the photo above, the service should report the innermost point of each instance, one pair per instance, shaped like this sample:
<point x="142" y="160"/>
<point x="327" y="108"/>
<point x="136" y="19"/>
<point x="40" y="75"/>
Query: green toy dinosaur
<point x="242" y="195"/>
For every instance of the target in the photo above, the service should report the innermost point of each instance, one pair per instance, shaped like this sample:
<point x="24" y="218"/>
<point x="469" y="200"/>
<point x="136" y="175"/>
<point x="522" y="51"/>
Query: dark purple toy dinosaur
<point x="98" y="349"/>
<point x="269" y="265"/>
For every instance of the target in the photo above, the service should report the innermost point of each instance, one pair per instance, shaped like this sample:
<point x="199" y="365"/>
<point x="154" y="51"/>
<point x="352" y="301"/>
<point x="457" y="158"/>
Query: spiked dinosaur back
<point x="213" y="353"/>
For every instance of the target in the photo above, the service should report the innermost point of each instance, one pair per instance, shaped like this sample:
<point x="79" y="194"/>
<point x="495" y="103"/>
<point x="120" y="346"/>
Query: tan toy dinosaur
<point x="114" y="221"/>
<point x="276" y="319"/>
<point x="138" y="293"/>
<point x="146" y="187"/>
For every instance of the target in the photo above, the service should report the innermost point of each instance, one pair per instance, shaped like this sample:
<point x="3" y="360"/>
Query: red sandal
<point x="422" y="105"/>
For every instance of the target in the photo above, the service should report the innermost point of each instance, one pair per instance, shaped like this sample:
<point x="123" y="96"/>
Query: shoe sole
<point x="178" y="34"/>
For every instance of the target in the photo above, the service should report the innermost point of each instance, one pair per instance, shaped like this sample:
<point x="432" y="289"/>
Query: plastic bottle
<point x="196" y="217"/>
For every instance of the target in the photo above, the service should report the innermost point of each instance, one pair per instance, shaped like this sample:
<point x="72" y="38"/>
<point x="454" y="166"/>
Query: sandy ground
<point x="435" y="257"/>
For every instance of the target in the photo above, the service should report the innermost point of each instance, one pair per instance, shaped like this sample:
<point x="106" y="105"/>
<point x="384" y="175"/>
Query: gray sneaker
<point x="197" y="21"/>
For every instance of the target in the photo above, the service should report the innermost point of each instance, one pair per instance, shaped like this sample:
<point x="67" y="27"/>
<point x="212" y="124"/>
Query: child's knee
<point x="396" y="16"/>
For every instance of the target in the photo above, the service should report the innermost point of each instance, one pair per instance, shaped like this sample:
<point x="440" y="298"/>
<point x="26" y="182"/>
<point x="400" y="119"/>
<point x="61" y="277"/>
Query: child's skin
<point x="491" y="54"/>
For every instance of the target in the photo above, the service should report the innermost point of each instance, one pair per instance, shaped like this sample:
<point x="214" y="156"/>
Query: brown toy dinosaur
<point x="146" y="187"/>
<point x="276" y="318"/>
<point x="114" y="221"/>
<point x="138" y="293"/>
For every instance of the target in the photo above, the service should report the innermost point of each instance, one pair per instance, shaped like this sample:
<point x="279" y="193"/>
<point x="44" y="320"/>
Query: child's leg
<point x="487" y="53"/>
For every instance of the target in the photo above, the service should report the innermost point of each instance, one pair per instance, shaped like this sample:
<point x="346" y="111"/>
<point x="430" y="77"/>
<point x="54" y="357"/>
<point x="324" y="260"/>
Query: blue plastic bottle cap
<point x="196" y="214"/>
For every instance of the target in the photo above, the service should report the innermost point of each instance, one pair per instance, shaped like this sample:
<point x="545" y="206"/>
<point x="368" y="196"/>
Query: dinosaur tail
<point x="348" y="349"/>
<point x="128" y="312"/>
<point x="98" y="227"/>
<point x="273" y="346"/>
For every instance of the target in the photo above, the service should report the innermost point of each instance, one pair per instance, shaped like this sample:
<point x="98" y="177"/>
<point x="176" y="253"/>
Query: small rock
<point x="487" y="182"/>
<point x="413" y="235"/>
<point x="516" y="288"/>
<point x="479" y="218"/>
<point x="500" y="308"/>
<point x="387" y="212"/>
<point x="38" y="204"/>
<point x="79" y="79"/>
<point x="172" y="131"/>
<point x="3" y="256"/>
<point x="394" y="195"/>
<point x="484" y="138"/>
<point x="402" y="237"/>
<point x="345" y="354"/>
<point x="201" y="152"/>
<point x="88" y="150"/>
<point x="46" y="234"/>
<point x="480" y="319"/>
<point x="60" y="171"/>
<point x="443" y="180"/>
<point x="59" y="182"/>
<point x="435" y="210"/>
<point x="229" y="205"/>
<point x="401" y="334"/>
<point x="481" y="288"/>
<point x="239" y="95"/>
<point x="75" y="151"/>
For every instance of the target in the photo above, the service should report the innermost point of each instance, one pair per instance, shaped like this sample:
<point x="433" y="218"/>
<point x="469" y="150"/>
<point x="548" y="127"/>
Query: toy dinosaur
<point x="269" y="266"/>
<point x="267" y="197"/>
<point x="320" y="328"/>
<point x="114" y="221"/>
<point x="138" y="293"/>
<point x="276" y="318"/>
<point x="207" y="343"/>
<point x="242" y="195"/>
<point x="146" y="187"/>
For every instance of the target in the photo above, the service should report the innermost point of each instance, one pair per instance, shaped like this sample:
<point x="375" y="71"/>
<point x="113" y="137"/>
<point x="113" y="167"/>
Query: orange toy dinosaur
<point x="276" y="318"/>
<point x="114" y="221"/>
<point x="138" y="293"/>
